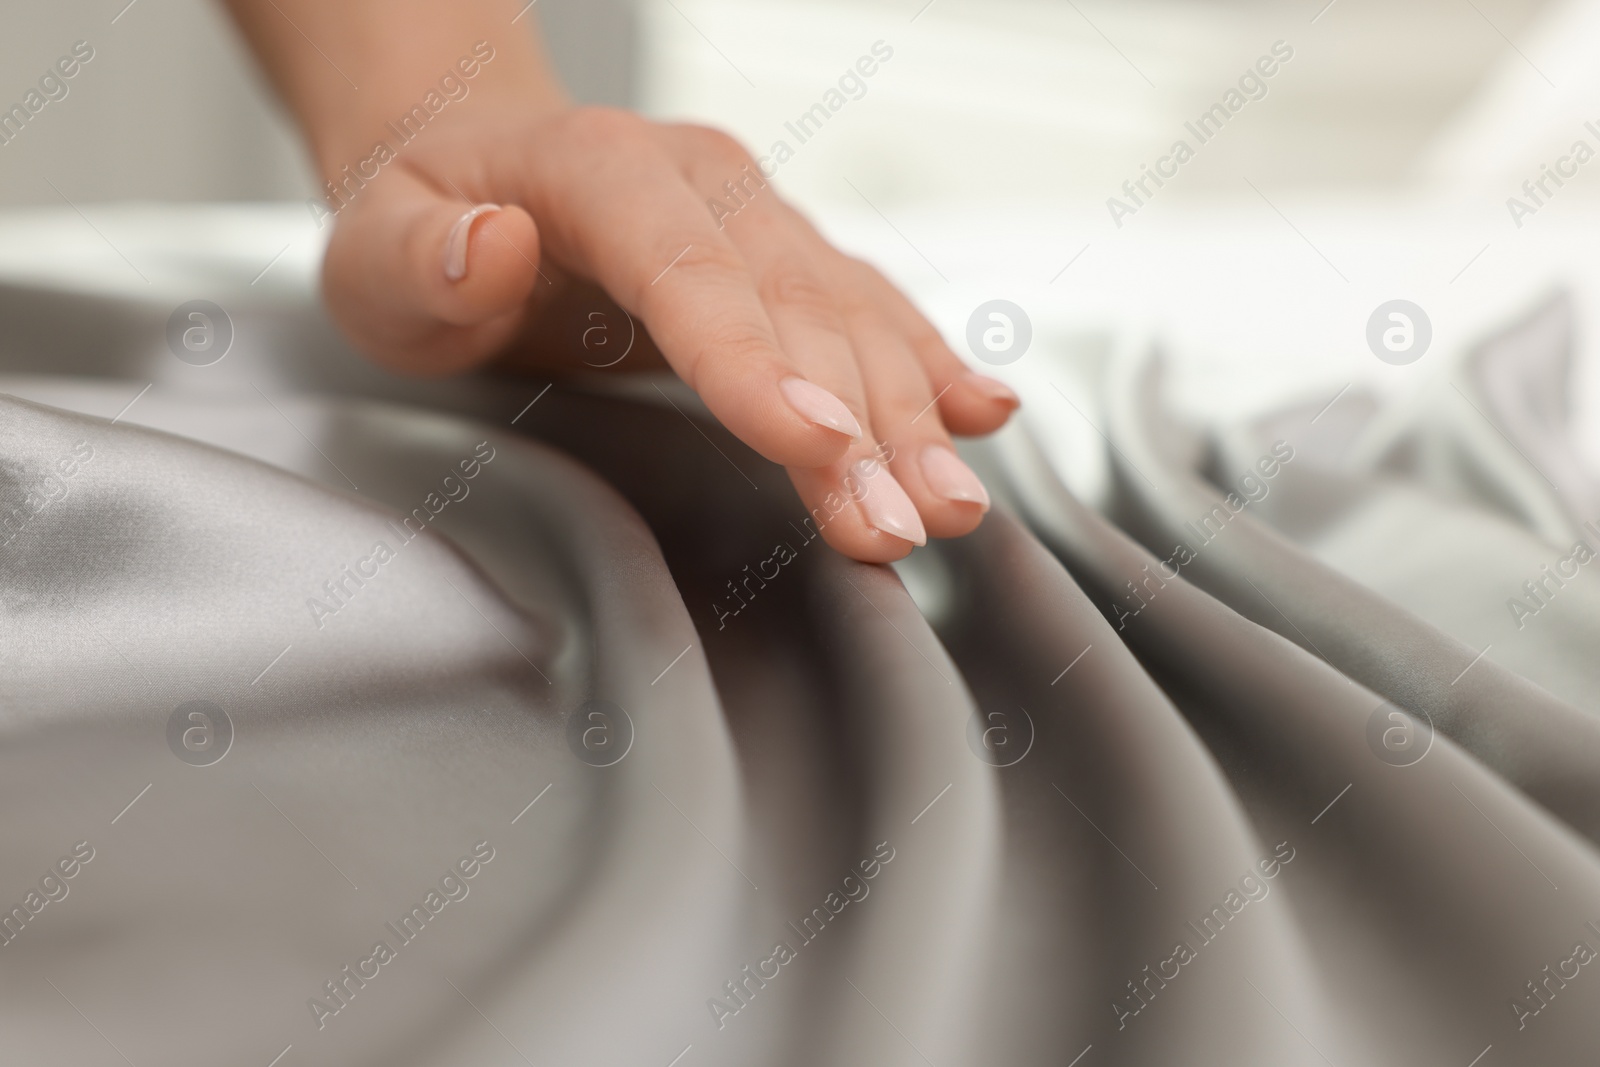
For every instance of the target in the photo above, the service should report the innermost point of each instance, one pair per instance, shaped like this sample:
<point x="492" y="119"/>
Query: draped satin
<point x="966" y="810"/>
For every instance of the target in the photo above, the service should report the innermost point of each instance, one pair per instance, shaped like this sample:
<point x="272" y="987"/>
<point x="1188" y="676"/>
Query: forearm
<point x="349" y="69"/>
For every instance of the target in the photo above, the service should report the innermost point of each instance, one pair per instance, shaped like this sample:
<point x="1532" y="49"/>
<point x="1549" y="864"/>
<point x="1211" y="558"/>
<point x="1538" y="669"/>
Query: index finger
<point x="620" y="211"/>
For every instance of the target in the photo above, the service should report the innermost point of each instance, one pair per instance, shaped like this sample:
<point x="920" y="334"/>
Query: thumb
<point x="424" y="282"/>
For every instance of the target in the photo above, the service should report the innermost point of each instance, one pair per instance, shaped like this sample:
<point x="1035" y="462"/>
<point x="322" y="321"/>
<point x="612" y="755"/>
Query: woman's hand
<point x="478" y="233"/>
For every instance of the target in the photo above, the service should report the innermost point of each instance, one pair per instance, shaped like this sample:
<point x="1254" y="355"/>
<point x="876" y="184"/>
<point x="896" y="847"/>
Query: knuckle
<point x="606" y="125"/>
<point x="800" y="292"/>
<point x="714" y="265"/>
<point x="856" y="305"/>
<point x="729" y="344"/>
<point x="927" y="341"/>
<point x="711" y="259"/>
<point x="701" y="270"/>
<point x="717" y="145"/>
<point x="737" y="340"/>
<point x="857" y="289"/>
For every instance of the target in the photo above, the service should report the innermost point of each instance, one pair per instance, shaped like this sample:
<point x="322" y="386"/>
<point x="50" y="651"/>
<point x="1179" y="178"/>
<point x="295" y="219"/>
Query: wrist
<point x="484" y="82"/>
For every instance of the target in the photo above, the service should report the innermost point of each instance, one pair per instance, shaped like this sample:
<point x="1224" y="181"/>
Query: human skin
<point x="595" y="205"/>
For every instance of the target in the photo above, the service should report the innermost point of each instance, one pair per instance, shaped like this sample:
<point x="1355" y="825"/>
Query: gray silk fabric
<point x="552" y="737"/>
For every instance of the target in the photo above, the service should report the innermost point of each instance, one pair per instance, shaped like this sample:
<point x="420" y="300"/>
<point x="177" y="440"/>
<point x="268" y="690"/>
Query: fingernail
<point x="951" y="478"/>
<point x="993" y="389"/>
<point x="886" y="504"/>
<point x="455" y="246"/>
<point x="816" y="404"/>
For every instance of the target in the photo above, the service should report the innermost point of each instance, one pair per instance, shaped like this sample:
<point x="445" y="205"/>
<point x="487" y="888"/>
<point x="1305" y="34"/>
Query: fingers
<point x="859" y="508"/>
<point x="425" y="282"/>
<point x="904" y="413"/>
<point x="970" y="404"/>
<point x="873" y="503"/>
<point x="812" y="359"/>
<point x="855" y="502"/>
<point x="878" y="502"/>
<point x="619" y="209"/>
<point x="806" y="319"/>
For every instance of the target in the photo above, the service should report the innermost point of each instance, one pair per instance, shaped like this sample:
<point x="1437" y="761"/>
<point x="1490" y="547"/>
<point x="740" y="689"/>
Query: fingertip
<point x="787" y="420"/>
<point x="860" y="510"/>
<point x="882" y="548"/>
<point x="820" y="407"/>
<point x="976" y="404"/>
<point x="456" y="241"/>
<point x="886" y="505"/>
<point x="951" y="495"/>
<point x="489" y="262"/>
<point x="867" y="544"/>
<point x="808" y="445"/>
<point x="993" y="390"/>
<point x="950" y="478"/>
<point x="822" y="427"/>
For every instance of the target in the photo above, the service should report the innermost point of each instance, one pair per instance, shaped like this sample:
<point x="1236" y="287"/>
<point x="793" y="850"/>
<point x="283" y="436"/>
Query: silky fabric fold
<point x="1051" y="793"/>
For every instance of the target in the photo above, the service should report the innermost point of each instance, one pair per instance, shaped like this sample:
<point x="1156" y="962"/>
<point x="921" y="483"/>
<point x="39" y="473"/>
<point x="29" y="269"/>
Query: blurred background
<point x="976" y="164"/>
<point x="990" y="99"/>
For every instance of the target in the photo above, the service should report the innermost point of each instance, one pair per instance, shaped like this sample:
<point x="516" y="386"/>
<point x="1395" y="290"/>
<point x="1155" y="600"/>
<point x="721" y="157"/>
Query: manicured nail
<point x="455" y="246"/>
<point x="993" y="389"/>
<point x="886" y="504"/>
<point x="816" y="404"/>
<point x="951" y="478"/>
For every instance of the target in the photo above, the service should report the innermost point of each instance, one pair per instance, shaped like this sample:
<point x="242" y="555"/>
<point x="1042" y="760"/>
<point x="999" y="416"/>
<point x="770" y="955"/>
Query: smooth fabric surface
<point x="1003" y="792"/>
